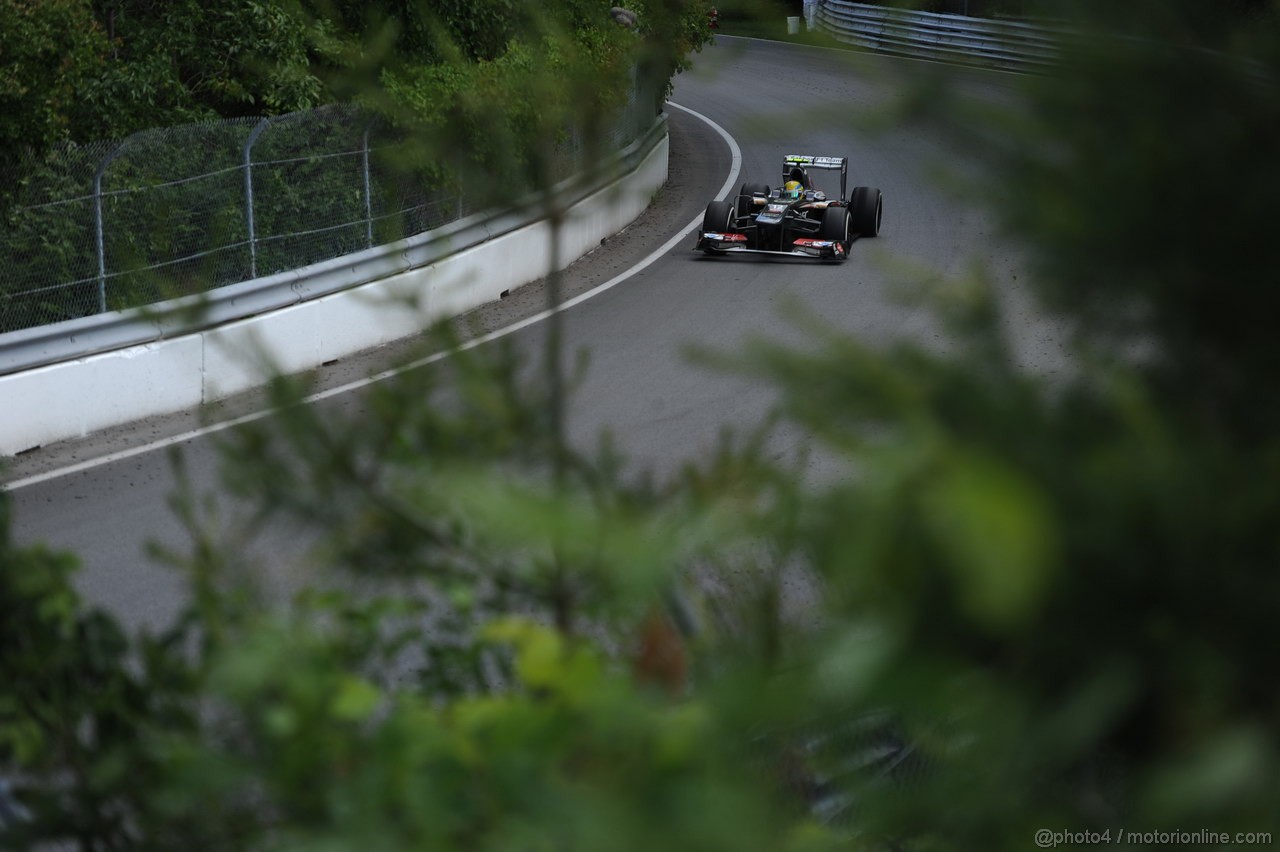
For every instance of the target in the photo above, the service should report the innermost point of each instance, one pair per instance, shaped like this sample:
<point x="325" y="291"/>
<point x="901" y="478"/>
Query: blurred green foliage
<point x="1037" y="601"/>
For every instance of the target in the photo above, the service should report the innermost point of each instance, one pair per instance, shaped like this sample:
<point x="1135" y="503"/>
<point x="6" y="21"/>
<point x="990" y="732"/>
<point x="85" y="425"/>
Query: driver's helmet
<point x="792" y="189"/>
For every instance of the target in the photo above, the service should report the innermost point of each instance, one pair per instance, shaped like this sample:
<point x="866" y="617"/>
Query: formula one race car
<point x="797" y="220"/>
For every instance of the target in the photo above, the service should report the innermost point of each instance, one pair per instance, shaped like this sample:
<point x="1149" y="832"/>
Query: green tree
<point x="48" y="52"/>
<point x="172" y="63"/>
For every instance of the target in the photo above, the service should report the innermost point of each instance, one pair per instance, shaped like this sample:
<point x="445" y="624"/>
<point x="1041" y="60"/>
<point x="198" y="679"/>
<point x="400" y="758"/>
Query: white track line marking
<point x="734" y="171"/>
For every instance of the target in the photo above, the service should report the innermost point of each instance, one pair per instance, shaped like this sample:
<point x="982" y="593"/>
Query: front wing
<point x="723" y="243"/>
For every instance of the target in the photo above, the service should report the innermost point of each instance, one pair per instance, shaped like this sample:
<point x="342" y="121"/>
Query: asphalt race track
<point x="773" y="99"/>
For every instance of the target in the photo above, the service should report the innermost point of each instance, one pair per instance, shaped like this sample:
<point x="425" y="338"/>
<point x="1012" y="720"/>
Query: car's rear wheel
<point x="867" y="205"/>
<point x="836" y="225"/>
<point x="745" y="207"/>
<point x="717" y="219"/>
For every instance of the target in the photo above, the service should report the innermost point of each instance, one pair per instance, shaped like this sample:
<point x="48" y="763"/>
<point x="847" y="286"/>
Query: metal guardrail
<point x="71" y="339"/>
<point x="1006" y="45"/>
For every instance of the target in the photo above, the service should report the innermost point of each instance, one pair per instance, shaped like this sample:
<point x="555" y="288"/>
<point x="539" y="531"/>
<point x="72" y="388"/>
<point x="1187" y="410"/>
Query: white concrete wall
<point x="73" y="398"/>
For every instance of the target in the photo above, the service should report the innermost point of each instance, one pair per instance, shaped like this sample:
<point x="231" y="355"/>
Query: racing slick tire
<point x="718" y="218"/>
<point x="748" y="190"/>
<point x="867" y="205"/>
<point x="837" y="224"/>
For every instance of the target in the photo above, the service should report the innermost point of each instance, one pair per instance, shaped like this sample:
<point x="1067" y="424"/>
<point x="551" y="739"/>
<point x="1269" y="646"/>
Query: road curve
<point x="773" y="99"/>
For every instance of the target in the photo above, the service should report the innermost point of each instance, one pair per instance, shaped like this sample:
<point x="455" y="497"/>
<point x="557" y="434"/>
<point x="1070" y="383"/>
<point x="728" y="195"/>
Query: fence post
<point x="368" y="190"/>
<point x="99" y="230"/>
<point x="248" y="194"/>
<point x="99" y="241"/>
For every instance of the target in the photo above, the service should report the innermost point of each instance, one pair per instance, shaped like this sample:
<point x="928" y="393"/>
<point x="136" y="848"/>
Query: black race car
<point x="797" y="220"/>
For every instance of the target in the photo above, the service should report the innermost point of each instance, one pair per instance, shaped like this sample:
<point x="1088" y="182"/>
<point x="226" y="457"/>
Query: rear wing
<point x="809" y="161"/>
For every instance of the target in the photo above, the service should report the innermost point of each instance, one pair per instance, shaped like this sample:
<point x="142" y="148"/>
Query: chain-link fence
<point x="181" y="210"/>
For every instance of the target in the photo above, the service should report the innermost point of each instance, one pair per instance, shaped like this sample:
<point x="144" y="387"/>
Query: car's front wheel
<point x="836" y="225"/>
<point x="718" y="219"/>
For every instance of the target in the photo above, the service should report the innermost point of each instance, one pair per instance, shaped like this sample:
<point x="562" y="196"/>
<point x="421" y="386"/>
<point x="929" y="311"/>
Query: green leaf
<point x="355" y="700"/>
<point x="996" y="537"/>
